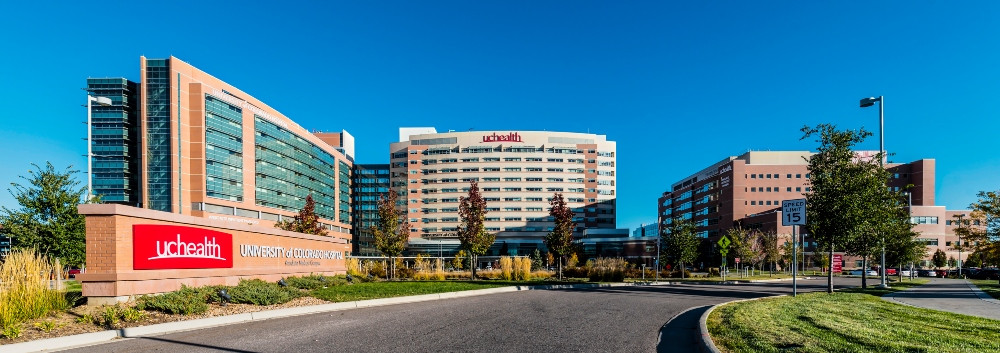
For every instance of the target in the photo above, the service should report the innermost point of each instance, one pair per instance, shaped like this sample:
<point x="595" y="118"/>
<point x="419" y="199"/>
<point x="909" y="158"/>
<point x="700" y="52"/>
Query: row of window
<point x="762" y="203"/>
<point x="773" y="176"/>
<point x="505" y="169"/>
<point x="518" y="149"/>
<point x="514" y="179"/>
<point x="777" y="189"/>
<point x="514" y="189"/>
<point x="506" y="159"/>
<point x="455" y="200"/>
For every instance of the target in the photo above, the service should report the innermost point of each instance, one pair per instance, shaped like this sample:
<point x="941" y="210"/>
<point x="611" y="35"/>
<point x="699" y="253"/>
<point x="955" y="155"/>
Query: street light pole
<point x="961" y="223"/>
<point x="104" y="101"/>
<point x="867" y="102"/>
<point x="658" y="258"/>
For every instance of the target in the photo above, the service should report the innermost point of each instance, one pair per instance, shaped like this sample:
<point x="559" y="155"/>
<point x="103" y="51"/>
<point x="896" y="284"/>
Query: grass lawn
<point x="989" y="286"/>
<point x="375" y="290"/>
<point x="847" y="321"/>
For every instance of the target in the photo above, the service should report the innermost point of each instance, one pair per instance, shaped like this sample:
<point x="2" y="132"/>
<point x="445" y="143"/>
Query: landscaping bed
<point x="205" y="302"/>
<point x="853" y="320"/>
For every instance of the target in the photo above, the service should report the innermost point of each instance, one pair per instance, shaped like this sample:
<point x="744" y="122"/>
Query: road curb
<point x="707" y="345"/>
<point x="87" y="339"/>
<point x="64" y="342"/>
<point x="981" y="294"/>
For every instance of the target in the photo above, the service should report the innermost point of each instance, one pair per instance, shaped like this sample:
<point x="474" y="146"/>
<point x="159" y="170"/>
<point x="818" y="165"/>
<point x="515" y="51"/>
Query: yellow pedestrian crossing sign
<point x="724" y="242"/>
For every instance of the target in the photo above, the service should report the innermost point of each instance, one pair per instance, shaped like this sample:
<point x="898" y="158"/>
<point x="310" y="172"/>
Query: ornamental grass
<point x="24" y="288"/>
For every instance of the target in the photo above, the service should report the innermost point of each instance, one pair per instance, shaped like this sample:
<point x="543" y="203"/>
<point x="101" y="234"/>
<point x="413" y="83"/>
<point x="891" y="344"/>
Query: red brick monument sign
<point x="132" y="251"/>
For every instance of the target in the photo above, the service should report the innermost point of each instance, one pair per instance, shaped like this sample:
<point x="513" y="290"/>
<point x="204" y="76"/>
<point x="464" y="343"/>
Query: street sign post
<point x="793" y="213"/>
<point x="724" y="250"/>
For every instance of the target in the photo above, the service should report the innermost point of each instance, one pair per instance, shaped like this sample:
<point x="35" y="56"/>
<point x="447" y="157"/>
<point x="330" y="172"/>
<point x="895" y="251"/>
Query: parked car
<point x="928" y="273"/>
<point x="869" y="272"/>
<point x="890" y="272"/>
<point x="986" y="273"/>
<point x="73" y="271"/>
<point x="905" y="272"/>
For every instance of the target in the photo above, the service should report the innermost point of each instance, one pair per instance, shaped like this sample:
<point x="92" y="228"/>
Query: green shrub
<point x="110" y="317"/>
<point x="714" y="272"/>
<point x="131" y="314"/>
<point x="404" y="273"/>
<point x="677" y="274"/>
<point x="11" y="331"/>
<point x="258" y="292"/>
<point x="86" y="319"/>
<point x="375" y="268"/>
<point x="47" y="326"/>
<point x="574" y="272"/>
<point x="312" y="282"/>
<point x="606" y="269"/>
<point x="211" y="293"/>
<point x="185" y="301"/>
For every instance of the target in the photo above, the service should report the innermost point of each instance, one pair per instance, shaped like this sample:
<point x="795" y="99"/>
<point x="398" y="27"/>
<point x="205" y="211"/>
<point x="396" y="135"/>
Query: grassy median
<point x="849" y="321"/>
<point x="375" y="290"/>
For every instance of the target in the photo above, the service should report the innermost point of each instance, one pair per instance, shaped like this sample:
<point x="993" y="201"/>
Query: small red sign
<point x="737" y="260"/>
<point x="838" y="263"/>
<point x="157" y="247"/>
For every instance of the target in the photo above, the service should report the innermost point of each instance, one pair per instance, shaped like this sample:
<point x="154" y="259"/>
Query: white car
<point x="905" y="273"/>
<point x="858" y="273"/>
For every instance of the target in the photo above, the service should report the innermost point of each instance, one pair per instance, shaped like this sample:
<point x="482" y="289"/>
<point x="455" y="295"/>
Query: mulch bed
<point x="67" y="325"/>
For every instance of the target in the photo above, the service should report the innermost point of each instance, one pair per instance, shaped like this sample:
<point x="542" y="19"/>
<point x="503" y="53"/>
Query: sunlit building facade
<point x="517" y="172"/>
<point x="205" y="148"/>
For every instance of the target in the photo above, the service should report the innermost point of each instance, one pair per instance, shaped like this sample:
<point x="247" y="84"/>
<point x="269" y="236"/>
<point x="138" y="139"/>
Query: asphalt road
<point x="621" y="319"/>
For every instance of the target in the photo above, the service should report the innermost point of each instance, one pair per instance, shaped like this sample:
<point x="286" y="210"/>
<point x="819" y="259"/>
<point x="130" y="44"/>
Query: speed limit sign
<point x="793" y="212"/>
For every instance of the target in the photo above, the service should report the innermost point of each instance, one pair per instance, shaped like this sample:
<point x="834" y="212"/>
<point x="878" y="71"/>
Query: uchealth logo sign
<point x="157" y="247"/>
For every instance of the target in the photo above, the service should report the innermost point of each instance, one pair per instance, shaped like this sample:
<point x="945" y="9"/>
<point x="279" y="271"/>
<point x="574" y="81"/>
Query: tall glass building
<point x="115" y="140"/>
<point x="370" y="181"/>
<point x="199" y="146"/>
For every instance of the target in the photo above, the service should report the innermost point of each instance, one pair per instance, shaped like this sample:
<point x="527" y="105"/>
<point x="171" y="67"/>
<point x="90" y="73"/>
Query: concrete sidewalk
<point x="953" y="295"/>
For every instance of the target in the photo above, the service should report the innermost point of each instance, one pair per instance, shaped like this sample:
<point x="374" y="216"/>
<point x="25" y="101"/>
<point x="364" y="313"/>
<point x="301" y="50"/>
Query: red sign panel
<point x="156" y="247"/>
<point x="838" y="263"/>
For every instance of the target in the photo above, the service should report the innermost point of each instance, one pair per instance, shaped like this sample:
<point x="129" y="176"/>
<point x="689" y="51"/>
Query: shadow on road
<point x="682" y="333"/>
<point x="199" y="345"/>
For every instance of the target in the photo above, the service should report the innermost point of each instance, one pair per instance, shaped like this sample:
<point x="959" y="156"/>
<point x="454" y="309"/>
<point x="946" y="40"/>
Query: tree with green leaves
<point x="459" y="261"/>
<point x="47" y="219"/>
<point x="786" y="253"/>
<point x="849" y="207"/>
<point x="472" y="232"/>
<point x="391" y="234"/>
<point x="905" y="250"/>
<point x="680" y="243"/>
<point x="772" y="253"/>
<point x="307" y="221"/>
<point x="939" y="259"/>
<point x="746" y="245"/>
<point x="982" y="227"/>
<point x="560" y="239"/>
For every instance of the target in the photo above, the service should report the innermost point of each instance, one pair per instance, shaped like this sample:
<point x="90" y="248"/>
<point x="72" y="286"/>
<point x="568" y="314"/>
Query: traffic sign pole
<point x="793" y="213"/>
<point x="795" y="263"/>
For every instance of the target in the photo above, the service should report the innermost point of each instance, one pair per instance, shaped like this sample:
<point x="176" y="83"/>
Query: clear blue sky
<point x="678" y="85"/>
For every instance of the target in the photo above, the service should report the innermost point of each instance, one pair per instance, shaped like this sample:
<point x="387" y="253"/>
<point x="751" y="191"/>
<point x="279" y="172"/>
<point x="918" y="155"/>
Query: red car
<point x="73" y="272"/>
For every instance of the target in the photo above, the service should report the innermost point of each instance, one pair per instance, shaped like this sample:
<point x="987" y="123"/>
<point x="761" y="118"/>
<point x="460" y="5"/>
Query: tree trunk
<point x="682" y="269"/>
<point x="829" y="275"/>
<point x="475" y="264"/>
<point x="864" y="272"/>
<point x="560" y="268"/>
